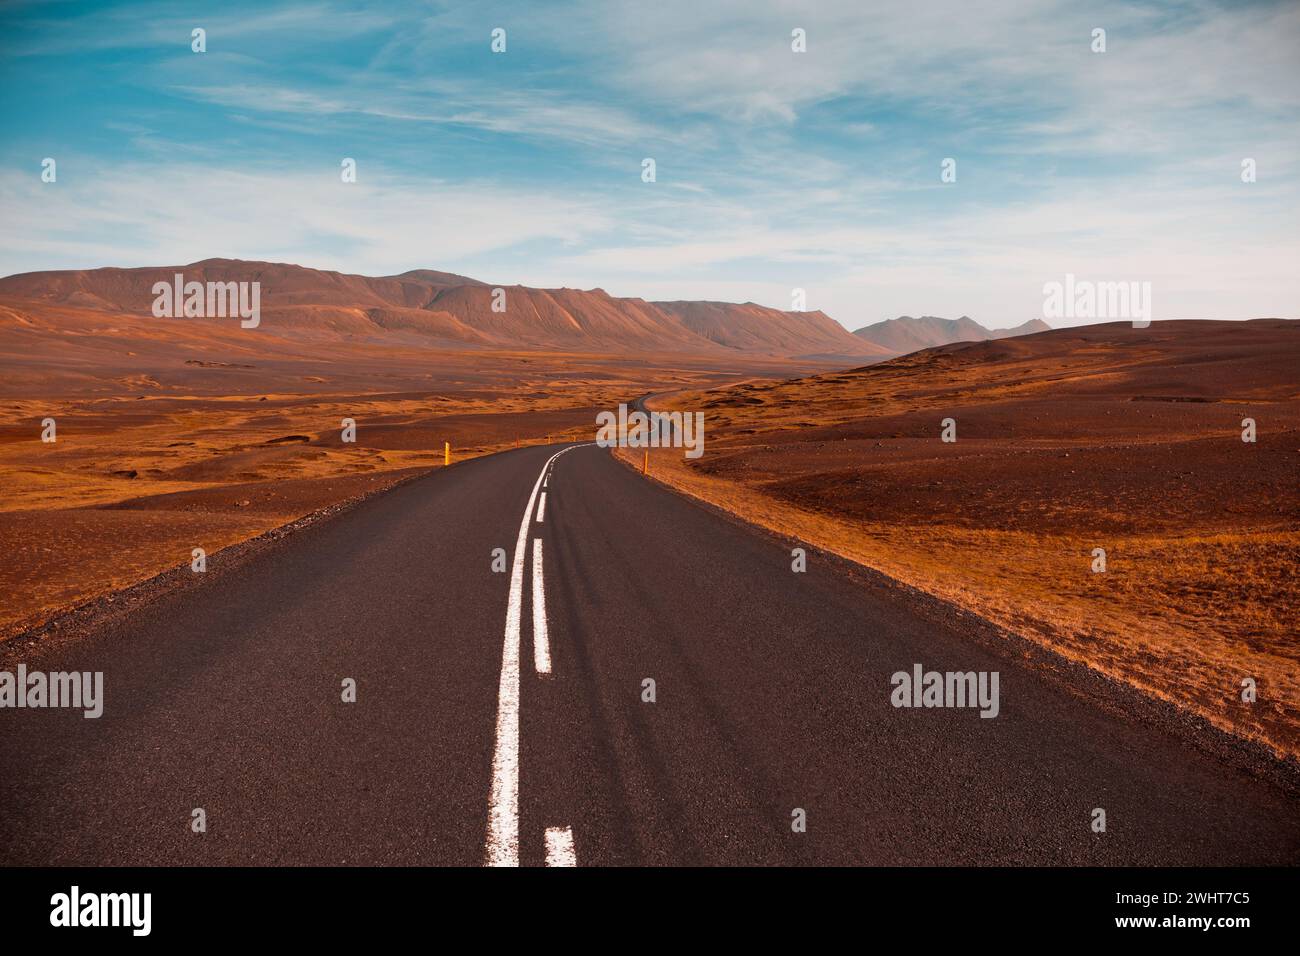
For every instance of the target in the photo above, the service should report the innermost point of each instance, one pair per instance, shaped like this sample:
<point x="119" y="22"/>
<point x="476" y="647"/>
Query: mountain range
<point x="427" y="307"/>
<point x="440" y="308"/>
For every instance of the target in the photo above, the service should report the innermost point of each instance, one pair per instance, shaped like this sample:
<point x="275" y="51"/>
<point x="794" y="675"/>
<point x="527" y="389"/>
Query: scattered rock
<point x="288" y="438"/>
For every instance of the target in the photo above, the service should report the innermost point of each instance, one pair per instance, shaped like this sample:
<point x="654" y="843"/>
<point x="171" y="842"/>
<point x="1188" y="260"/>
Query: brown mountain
<point x="425" y="306"/>
<point x="752" y="327"/>
<point x="907" y="334"/>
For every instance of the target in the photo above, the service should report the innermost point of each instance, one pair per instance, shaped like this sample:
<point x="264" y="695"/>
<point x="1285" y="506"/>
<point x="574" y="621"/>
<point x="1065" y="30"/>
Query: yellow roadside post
<point x="446" y="453"/>
<point x="645" y="462"/>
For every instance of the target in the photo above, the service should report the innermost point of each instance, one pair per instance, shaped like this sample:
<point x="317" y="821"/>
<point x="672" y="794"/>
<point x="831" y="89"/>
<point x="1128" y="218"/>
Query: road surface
<point x="472" y="740"/>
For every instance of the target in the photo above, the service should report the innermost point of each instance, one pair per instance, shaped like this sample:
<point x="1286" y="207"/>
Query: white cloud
<point x="382" y="224"/>
<point x="536" y="113"/>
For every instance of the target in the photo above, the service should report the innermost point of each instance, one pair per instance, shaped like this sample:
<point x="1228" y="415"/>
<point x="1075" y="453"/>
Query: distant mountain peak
<point x="434" y="277"/>
<point x="907" y="334"/>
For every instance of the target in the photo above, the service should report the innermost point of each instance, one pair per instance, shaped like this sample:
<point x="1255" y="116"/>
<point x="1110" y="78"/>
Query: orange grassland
<point x="1110" y="437"/>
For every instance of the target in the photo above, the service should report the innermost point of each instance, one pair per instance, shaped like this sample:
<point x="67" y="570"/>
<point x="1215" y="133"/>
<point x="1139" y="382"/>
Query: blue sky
<point x="775" y="170"/>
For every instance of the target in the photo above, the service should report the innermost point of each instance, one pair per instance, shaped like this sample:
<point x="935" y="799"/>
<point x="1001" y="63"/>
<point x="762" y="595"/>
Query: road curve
<point x="472" y="741"/>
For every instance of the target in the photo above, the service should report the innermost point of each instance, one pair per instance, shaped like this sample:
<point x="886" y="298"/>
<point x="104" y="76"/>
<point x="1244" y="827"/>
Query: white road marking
<point x="559" y="847"/>
<point x="541" y="508"/>
<point x="541" y="645"/>
<point x="502" y="847"/>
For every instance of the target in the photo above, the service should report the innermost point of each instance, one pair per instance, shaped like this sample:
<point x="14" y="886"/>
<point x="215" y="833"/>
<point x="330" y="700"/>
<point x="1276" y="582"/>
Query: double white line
<point x="503" y="802"/>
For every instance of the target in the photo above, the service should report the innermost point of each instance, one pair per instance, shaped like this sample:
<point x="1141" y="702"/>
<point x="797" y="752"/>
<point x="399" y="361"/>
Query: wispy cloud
<point x="385" y="223"/>
<point x="535" y="113"/>
<point x="65" y="30"/>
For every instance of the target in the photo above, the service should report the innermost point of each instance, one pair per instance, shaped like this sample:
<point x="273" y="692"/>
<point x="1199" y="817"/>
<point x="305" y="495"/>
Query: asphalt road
<point x="772" y="694"/>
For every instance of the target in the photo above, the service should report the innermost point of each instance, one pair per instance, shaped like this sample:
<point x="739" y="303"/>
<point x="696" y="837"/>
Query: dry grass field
<point x="1106" y="437"/>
